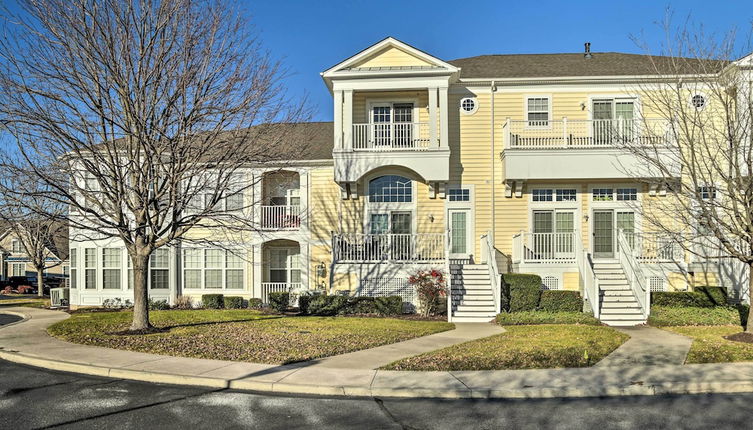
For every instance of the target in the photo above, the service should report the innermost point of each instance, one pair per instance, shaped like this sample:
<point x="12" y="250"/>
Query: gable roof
<point x="576" y="65"/>
<point x="359" y="63"/>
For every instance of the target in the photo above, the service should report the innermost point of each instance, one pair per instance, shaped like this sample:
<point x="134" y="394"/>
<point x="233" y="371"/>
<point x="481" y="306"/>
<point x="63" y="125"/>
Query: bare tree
<point x="153" y="111"/>
<point x="36" y="222"/>
<point x="700" y="151"/>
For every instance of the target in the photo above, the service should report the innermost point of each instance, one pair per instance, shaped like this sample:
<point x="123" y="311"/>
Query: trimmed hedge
<point x="343" y="305"/>
<point x="520" y="292"/>
<point x="213" y="301"/>
<point x="702" y="297"/>
<point x="255" y="303"/>
<point x="279" y="301"/>
<point x="544" y="317"/>
<point x="560" y="301"/>
<point x="701" y="316"/>
<point x="158" y="305"/>
<point x="233" y="302"/>
<point x="389" y="305"/>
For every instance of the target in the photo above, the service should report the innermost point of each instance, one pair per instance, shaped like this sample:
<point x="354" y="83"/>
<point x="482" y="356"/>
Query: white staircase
<point x="472" y="295"/>
<point x="618" y="304"/>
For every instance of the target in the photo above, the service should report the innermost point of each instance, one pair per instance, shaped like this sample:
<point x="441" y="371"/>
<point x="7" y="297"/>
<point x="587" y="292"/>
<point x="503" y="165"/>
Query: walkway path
<point x="375" y="358"/>
<point x="648" y="346"/>
<point x="27" y="342"/>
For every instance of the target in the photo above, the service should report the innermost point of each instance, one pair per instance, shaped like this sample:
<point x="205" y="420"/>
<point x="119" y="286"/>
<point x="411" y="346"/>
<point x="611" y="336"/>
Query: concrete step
<point x="474" y="314"/>
<point x="620" y="312"/>
<point x="472" y="319"/>
<point x="477" y="292"/>
<point x="474" y="297"/>
<point x="612" y="277"/>
<point x="624" y="323"/>
<point x="614" y="283"/>
<point x="627" y="304"/>
<point x="472" y="277"/>
<point x="483" y="309"/>
<point x="472" y="287"/>
<point x="614" y="293"/>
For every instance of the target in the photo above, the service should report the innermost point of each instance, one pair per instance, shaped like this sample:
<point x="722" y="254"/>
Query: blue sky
<point x="312" y="36"/>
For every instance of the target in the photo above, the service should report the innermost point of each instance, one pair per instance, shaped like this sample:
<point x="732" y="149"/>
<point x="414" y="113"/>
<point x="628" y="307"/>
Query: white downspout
<point x="493" y="155"/>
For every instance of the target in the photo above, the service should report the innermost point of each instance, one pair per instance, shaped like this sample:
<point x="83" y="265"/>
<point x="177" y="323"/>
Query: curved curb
<point x="662" y="388"/>
<point x="24" y="317"/>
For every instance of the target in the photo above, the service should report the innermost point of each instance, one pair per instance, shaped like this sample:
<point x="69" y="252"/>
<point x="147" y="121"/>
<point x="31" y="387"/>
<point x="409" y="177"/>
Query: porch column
<point x="338" y="119"/>
<point x="348" y="119"/>
<point x="305" y="261"/>
<point x="444" y="130"/>
<point x="432" y="117"/>
<point x="256" y="270"/>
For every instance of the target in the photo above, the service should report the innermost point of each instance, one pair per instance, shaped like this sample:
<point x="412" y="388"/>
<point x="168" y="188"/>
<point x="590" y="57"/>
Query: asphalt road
<point x="35" y="398"/>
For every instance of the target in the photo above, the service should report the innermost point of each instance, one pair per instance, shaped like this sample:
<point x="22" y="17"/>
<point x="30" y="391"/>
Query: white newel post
<point x="338" y="119"/>
<point x="443" y="122"/>
<point x="348" y="119"/>
<point x="433" y="117"/>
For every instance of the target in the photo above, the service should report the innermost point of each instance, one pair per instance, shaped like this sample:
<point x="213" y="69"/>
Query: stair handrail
<point x="491" y="264"/>
<point x="448" y="274"/>
<point x="590" y="281"/>
<point x="633" y="273"/>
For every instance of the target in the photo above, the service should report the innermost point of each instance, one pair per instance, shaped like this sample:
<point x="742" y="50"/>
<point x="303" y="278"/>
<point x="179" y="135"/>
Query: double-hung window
<point x="159" y="273"/>
<point x="73" y="279"/>
<point x="537" y="111"/>
<point x="212" y="269"/>
<point x="111" y="263"/>
<point x="17" y="246"/>
<point x="90" y="268"/>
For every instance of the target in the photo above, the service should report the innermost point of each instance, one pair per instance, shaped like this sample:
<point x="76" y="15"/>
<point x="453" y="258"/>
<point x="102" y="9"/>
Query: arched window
<point x="390" y="188"/>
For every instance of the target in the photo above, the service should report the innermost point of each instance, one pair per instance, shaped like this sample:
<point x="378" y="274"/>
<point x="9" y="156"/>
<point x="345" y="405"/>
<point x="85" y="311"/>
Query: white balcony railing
<point x="576" y="134"/>
<point x="654" y="248"/>
<point x="280" y="287"/>
<point x="411" y="136"/>
<point x="545" y="247"/>
<point x="281" y="217"/>
<point x="419" y="247"/>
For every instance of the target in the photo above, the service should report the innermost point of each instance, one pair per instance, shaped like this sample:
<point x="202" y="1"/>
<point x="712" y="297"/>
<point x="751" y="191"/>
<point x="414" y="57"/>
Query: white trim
<point x="548" y="97"/>
<point x="705" y="100"/>
<point x="474" y="99"/>
<point x="370" y="208"/>
<point x="615" y="98"/>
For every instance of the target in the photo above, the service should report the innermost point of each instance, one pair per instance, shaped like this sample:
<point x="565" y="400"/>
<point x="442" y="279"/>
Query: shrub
<point x="233" y="302"/>
<point x="255" y="303"/>
<point x="184" y="302"/>
<point x="212" y="301"/>
<point x="279" y="301"/>
<point x="305" y="298"/>
<point x="560" y="301"/>
<point x="361" y="305"/>
<point x="389" y="305"/>
<point x="702" y="297"/>
<point x="158" y="305"/>
<point x="117" y="303"/>
<point x="545" y="317"/>
<point x="327" y="305"/>
<point x="716" y="295"/>
<point x="431" y="288"/>
<point x="693" y="315"/>
<point x="520" y="292"/>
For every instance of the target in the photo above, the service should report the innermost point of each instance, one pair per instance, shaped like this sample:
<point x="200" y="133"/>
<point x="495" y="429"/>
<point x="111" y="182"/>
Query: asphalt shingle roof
<point x="575" y="64"/>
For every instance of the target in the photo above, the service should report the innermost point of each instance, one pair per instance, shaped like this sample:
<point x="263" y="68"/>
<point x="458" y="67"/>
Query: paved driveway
<point x="33" y="398"/>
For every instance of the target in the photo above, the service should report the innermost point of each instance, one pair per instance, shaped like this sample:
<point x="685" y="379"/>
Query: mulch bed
<point x="740" y="337"/>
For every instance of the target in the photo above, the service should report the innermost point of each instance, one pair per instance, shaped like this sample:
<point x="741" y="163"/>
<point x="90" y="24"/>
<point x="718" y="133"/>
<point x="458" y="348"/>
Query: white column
<point x="444" y="131"/>
<point x="348" y="119"/>
<point x="256" y="269"/>
<point x="338" y="119"/>
<point x="432" y="117"/>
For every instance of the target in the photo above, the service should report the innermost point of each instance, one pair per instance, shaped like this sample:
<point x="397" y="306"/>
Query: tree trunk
<point x="140" y="293"/>
<point x="749" y="326"/>
<point x="40" y="282"/>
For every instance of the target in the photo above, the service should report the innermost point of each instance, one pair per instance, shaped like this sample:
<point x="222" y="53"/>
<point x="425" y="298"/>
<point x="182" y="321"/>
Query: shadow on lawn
<point x="167" y="328"/>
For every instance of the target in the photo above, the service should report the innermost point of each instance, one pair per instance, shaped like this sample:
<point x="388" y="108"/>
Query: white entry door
<point x="461" y="244"/>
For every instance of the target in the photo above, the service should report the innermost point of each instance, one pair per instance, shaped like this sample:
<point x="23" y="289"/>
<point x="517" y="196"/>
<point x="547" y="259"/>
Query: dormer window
<point x="16" y="246"/>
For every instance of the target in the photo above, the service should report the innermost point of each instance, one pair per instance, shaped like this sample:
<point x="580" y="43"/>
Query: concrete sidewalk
<point x="27" y="342"/>
<point x="648" y="346"/>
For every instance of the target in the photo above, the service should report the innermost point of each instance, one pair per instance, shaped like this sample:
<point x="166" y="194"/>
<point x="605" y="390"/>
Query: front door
<point x="603" y="234"/>
<point x="459" y="233"/>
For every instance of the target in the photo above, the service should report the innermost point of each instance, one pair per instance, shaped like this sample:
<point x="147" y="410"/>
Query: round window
<point x="468" y="105"/>
<point x="698" y="101"/>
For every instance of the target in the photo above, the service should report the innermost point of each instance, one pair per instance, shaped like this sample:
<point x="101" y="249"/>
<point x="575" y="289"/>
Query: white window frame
<point x="548" y="98"/>
<point x="389" y="207"/>
<point x="468" y="112"/>
<point x="116" y="268"/>
<point x="13" y="269"/>
<point x="202" y="269"/>
<point x="17" y="247"/>
<point x="705" y="100"/>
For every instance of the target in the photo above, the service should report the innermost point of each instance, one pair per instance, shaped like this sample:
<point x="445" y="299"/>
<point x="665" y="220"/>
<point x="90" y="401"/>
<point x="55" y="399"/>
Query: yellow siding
<point x="345" y="281"/>
<point x="571" y="281"/>
<point x="392" y="57"/>
<point x="362" y="100"/>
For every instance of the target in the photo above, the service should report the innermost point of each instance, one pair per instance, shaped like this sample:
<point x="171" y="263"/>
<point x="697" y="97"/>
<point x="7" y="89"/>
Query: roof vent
<point x="587" y="53"/>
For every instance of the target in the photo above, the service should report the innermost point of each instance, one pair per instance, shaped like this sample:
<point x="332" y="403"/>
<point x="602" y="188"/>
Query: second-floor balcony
<point x="581" y="149"/>
<point x="283" y="217"/>
<point x="378" y="248"/>
<point x="397" y="136"/>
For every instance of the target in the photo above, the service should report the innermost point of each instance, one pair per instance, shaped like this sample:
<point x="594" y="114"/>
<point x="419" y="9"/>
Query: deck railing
<point x="544" y="247"/>
<point x="490" y="253"/>
<point x="279" y="287"/>
<point x="417" y="247"/>
<point x="633" y="272"/>
<point x="281" y="217"/>
<point x="391" y="136"/>
<point x="576" y="134"/>
<point x="654" y="248"/>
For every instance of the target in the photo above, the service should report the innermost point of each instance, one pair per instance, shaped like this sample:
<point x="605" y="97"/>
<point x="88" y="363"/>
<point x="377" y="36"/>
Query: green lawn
<point x="709" y="345"/>
<point x="664" y="316"/>
<point x="25" y="300"/>
<point x="523" y="347"/>
<point x="544" y="317"/>
<point x="242" y="335"/>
